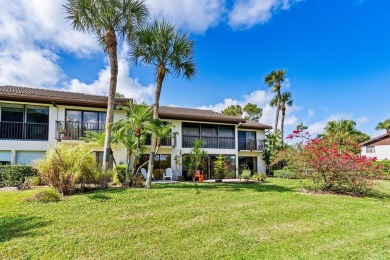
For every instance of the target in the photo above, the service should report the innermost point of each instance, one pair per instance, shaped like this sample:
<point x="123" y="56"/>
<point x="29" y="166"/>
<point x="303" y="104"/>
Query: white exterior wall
<point x="382" y="152"/>
<point x="55" y="114"/>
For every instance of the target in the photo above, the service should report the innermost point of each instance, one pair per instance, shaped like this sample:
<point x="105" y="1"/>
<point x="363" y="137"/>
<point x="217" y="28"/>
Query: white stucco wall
<point x="382" y="152"/>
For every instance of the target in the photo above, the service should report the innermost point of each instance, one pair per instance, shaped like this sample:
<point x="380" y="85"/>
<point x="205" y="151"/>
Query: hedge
<point x="15" y="175"/>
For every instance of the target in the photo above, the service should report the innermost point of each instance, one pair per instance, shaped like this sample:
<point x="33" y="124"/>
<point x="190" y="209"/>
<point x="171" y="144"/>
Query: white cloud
<point x="126" y="85"/>
<point x="361" y="120"/>
<point x="310" y="113"/>
<point x="247" y="13"/>
<point x="262" y="99"/>
<point x="191" y="15"/>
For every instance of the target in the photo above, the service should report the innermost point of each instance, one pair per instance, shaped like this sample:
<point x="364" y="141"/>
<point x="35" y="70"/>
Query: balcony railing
<point x="251" y="144"/>
<point x="73" y="130"/>
<point x="169" y="141"/>
<point x="210" y="142"/>
<point x="24" y="131"/>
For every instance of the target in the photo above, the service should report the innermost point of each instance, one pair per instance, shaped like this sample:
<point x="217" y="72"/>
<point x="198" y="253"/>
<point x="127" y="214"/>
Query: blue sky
<point x="337" y="54"/>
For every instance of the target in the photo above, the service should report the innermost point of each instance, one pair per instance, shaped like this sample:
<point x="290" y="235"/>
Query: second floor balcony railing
<point x="251" y="144"/>
<point x="169" y="141"/>
<point x="210" y="142"/>
<point x="24" y="131"/>
<point x="74" y="130"/>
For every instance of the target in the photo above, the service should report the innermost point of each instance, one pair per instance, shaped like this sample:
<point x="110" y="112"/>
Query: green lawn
<point x="192" y="221"/>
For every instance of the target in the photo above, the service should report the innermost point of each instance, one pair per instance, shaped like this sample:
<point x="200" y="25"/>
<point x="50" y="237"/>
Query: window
<point x="12" y="114"/>
<point x="370" y="149"/>
<point x="28" y="157"/>
<point x="213" y="136"/>
<point x="88" y="117"/>
<point x="5" y="157"/>
<point x="161" y="162"/>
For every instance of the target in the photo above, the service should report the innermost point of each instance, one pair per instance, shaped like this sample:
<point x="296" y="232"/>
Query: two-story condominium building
<point x="31" y="120"/>
<point x="378" y="147"/>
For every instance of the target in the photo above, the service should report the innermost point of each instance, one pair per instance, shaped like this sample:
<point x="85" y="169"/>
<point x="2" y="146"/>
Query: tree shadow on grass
<point x="20" y="226"/>
<point x="234" y="187"/>
<point x="99" y="196"/>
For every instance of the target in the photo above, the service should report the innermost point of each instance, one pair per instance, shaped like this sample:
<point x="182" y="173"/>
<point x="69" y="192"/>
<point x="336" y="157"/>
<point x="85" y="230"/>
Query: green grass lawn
<point x="192" y="221"/>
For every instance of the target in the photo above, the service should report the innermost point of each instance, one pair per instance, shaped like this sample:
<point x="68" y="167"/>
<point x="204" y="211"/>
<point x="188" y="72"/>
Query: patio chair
<point x="144" y="173"/>
<point x="168" y="174"/>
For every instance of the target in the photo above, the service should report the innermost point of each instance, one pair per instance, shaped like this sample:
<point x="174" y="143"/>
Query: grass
<point x="192" y="221"/>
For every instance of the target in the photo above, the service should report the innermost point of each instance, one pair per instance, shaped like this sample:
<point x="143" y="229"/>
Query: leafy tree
<point x="196" y="158"/>
<point x="385" y="125"/>
<point x="273" y="144"/>
<point x="253" y="112"/>
<point x="169" y="52"/>
<point x="233" y="110"/>
<point x="250" y="111"/>
<point x="285" y="101"/>
<point x="108" y="19"/>
<point x="274" y="80"/>
<point x="119" y="95"/>
<point x="301" y="127"/>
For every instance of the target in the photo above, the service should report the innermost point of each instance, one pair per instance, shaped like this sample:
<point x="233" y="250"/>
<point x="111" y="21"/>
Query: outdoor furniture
<point x="144" y="173"/>
<point x="168" y="174"/>
<point x="199" y="176"/>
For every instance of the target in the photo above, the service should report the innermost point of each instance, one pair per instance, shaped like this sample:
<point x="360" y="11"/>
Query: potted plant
<point x="197" y="157"/>
<point x="219" y="168"/>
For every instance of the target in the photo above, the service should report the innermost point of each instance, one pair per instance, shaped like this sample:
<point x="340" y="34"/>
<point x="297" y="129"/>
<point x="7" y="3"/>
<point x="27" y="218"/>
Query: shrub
<point x="15" y="175"/>
<point x="45" y="196"/>
<point x="383" y="169"/>
<point x="246" y="175"/>
<point x="137" y="181"/>
<point x="30" y="183"/>
<point x="286" y="174"/>
<point x="121" y="173"/>
<point x="259" y="177"/>
<point x="65" y="166"/>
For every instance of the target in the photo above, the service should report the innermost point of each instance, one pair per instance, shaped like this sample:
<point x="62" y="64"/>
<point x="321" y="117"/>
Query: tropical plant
<point x="246" y="175"/>
<point x="196" y="158"/>
<point x="273" y="144"/>
<point x="274" y="80"/>
<point x="385" y="125"/>
<point x="285" y="100"/>
<point x="169" y="52"/>
<point x="220" y="170"/>
<point x="259" y="177"/>
<point x="342" y="131"/>
<point x="108" y="20"/>
<point x="65" y="166"/>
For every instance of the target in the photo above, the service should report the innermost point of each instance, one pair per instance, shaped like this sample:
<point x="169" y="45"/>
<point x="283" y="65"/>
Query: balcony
<point x="69" y="130"/>
<point x="210" y="142"/>
<point x="24" y="131"/>
<point x="251" y="145"/>
<point x="170" y="141"/>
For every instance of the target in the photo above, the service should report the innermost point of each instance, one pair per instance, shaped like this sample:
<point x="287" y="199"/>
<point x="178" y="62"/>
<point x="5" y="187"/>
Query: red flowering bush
<point x="337" y="170"/>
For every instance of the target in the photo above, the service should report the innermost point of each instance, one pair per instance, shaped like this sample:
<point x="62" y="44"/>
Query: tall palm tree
<point x="274" y="80"/>
<point x="285" y="101"/>
<point x="385" y="125"/>
<point x="108" y="19"/>
<point x="169" y="52"/>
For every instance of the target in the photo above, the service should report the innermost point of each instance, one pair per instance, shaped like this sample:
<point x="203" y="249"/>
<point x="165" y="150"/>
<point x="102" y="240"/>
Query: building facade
<point x="378" y="147"/>
<point x="31" y="120"/>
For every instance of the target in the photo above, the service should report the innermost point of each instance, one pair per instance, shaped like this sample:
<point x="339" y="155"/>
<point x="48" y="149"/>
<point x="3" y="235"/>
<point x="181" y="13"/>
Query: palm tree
<point x="168" y="52"/>
<point x="385" y="125"/>
<point x="274" y="80"/>
<point x="285" y="101"/>
<point x="108" y="19"/>
<point x="137" y="123"/>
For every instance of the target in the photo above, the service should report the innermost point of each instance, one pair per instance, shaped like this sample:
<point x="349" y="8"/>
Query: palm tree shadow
<point x="233" y="187"/>
<point x="20" y="226"/>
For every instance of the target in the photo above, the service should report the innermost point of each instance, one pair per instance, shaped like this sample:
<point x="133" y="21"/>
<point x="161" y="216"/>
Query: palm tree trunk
<point x="160" y="78"/>
<point x="282" y="123"/>
<point x="111" y="42"/>
<point x="277" y="112"/>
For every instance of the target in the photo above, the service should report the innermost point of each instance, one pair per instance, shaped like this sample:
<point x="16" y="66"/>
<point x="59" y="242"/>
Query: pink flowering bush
<point x="332" y="167"/>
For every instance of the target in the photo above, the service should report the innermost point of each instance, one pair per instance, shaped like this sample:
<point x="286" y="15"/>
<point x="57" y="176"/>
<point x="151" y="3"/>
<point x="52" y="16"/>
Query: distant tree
<point x="301" y="127"/>
<point x="170" y="53"/>
<point x="274" y="80"/>
<point x="253" y="112"/>
<point x="119" y="95"/>
<point x="250" y="111"/>
<point x="285" y="101"/>
<point x="385" y="125"/>
<point x="233" y="110"/>
<point x="342" y="131"/>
